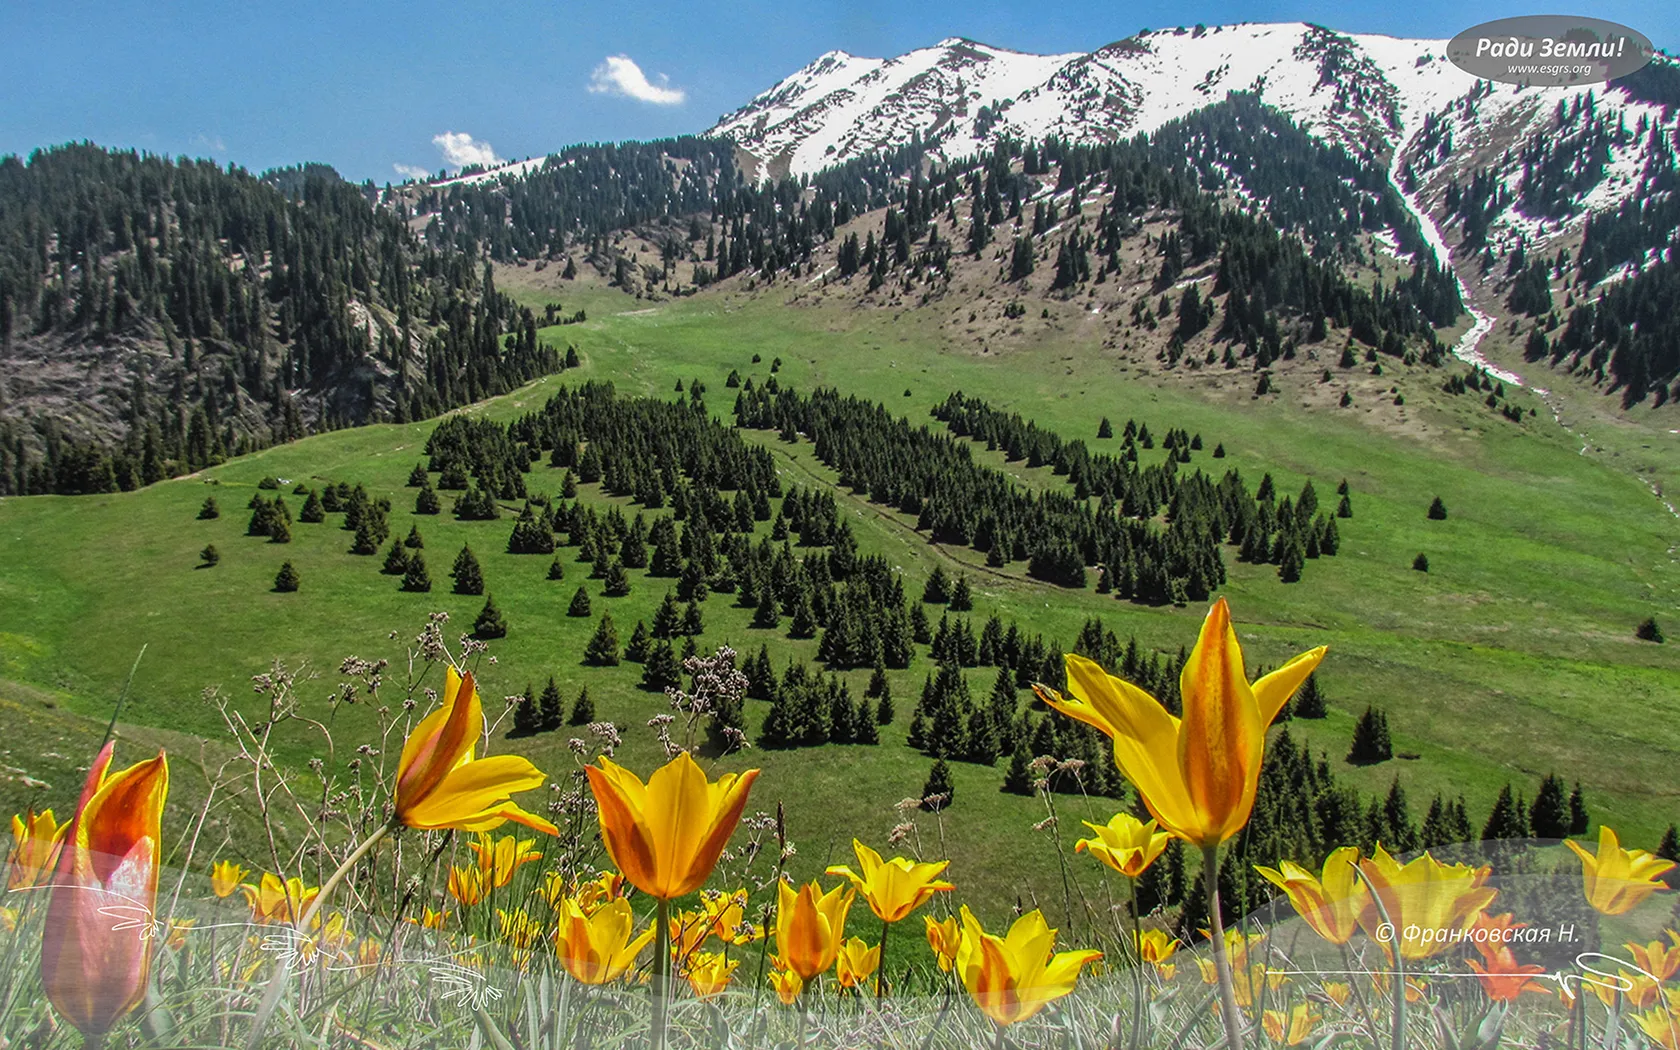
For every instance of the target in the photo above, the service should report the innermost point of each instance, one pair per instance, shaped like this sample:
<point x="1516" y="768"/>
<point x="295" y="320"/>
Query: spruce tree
<point x="1437" y="510"/>
<point x="583" y="709"/>
<point x="1370" y="739"/>
<point x="1649" y="631"/>
<point x="367" y="538"/>
<point x="1309" y="701"/>
<point x="556" y="571"/>
<point x="884" y="707"/>
<point x="1105" y="429"/>
<point x="526" y="718"/>
<point x="313" y="512"/>
<point x="618" y="580"/>
<point x="1578" y="819"/>
<point x="662" y="670"/>
<point x="938" y="793"/>
<point x="279" y="531"/>
<point x="416" y="578"/>
<point x="1507" y="821"/>
<point x="1344" y="509"/>
<point x="469" y="578"/>
<point x="209" y="557"/>
<point x="1018" y="779"/>
<point x="937" y="590"/>
<point x="667" y="621"/>
<point x="396" y="560"/>
<point x="641" y="642"/>
<point x="602" y="650"/>
<point x="286" y="580"/>
<point x="551" y="709"/>
<point x="765" y="615"/>
<point x="426" y="501"/>
<point x="693" y="623"/>
<point x="962" y="599"/>
<point x="209" y="509"/>
<point x="804" y="622"/>
<point x="1421" y="562"/>
<point x="1548" y="815"/>
<point x="1669" y="848"/>
<point x="414" y="542"/>
<point x="490" y="622"/>
<point x="417" y="476"/>
<point x="580" y="604"/>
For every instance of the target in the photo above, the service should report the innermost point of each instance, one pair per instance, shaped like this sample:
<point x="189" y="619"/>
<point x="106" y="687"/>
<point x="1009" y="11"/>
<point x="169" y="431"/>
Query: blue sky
<point x="365" y="86"/>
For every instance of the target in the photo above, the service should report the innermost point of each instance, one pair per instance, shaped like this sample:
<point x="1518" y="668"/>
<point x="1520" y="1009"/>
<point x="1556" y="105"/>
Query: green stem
<point x="94" y="1040"/>
<point x="1221" y="961"/>
<point x="661" y="971"/>
<point x="277" y="983"/>
<point x="1399" y="1040"/>
<point x="1138" y="1009"/>
<point x="881" y="965"/>
<point x="1359" y="998"/>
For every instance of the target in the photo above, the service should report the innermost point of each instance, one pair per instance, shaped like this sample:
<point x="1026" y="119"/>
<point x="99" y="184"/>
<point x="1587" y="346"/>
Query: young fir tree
<point x="1669" y="849"/>
<point x="693" y="623"/>
<point x="804" y="622"/>
<point x="618" y="580"/>
<point x="417" y="476"/>
<point x="962" y="598"/>
<point x="414" y="542"/>
<point x="556" y="571"/>
<point x="551" y="709"/>
<point x="884" y="707"/>
<point x="1507" y="821"/>
<point x="937" y="590"/>
<point x="938" y="793"/>
<point x="1105" y="429"/>
<point x="209" y="509"/>
<point x="1578" y="818"/>
<point x="1649" y="631"/>
<point x="765" y="615"/>
<point x="490" y="622"/>
<point x="1421" y="562"/>
<point x="662" y="670"/>
<point x="313" y="512"/>
<point x="416" y="578"/>
<point x="469" y="578"/>
<point x="1371" y="742"/>
<point x="583" y="709"/>
<point x="526" y="718"/>
<point x="1344" y="509"/>
<point x="602" y="650"/>
<point x="1309" y="701"/>
<point x="396" y="560"/>
<point x="640" y="644"/>
<point x="1018" y="779"/>
<point x="426" y="501"/>
<point x="1437" y="510"/>
<point x="286" y="580"/>
<point x="209" y="557"/>
<point x="580" y="604"/>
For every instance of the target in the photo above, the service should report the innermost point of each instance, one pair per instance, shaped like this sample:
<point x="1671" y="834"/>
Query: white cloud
<point x="210" y="142"/>
<point x="460" y="149"/>
<point x="409" y="171"/>
<point x="620" y="75"/>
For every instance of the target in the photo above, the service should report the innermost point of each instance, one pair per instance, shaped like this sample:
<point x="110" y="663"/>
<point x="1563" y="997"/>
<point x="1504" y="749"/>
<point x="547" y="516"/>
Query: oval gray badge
<point x="1550" y="50"/>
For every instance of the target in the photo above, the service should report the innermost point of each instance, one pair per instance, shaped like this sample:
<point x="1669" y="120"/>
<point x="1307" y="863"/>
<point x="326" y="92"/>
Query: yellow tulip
<point x="1156" y="946"/>
<point x="36" y="839"/>
<point x="1198" y="775"/>
<point x="273" y="900"/>
<point x="856" y="962"/>
<point x="1658" y="958"/>
<point x="8" y="919"/>
<point x="787" y="984"/>
<point x="469" y="884"/>
<point x="1662" y="1026"/>
<point x="688" y="931"/>
<point x="1337" y="992"/>
<point x="708" y="973"/>
<point x="725" y="915"/>
<point x="1125" y="843"/>
<point x="1290" y="1029"/>
<point x="501" y="857"/>
<point x="225" y="877"/>
<point x="943" y="938"/>
<point x="432" y="920"/>
<point x="893" y="888"/>
<point x="598" y="948"/>
<point x="1618" y="880"/>
<point x="96" y="943"/>
<point x="1248" y="982"/>
<point x="441" y="785"/>
<point x="810" y="926"/>
<point x="1426" y="901"/>
<point x="666" y="835"/>
<point x="1329" y="904"/>
<point x="1013" y="977"/>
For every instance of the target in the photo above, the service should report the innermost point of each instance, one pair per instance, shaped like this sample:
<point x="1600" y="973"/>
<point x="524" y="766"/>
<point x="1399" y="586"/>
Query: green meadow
<point x="1513" y="657"/>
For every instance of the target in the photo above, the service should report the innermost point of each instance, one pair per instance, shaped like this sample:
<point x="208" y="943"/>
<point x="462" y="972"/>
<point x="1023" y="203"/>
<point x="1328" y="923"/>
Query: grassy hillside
<point x="1513" y="657"/>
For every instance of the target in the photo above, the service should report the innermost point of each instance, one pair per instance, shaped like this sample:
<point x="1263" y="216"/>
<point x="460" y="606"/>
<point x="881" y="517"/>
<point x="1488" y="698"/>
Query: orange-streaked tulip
<point x="607" y="886"/>
<point x="787" y="984"/>
<point x="1198" y="775"/>
<point x="517" y="928"/>
<point x="1638" y="991"/>
<point x="1013" y="977"/>
<point x="1125" y="843"/>
<point x="441" y="785"/>
<point x="810" y="926"/>
<point x="1618" y="880"/>
<point x="1156" y="946"/>
<point x="277" y="900"/>
<point x="1503" y="978"/>
<point x="36" y="838"/>
<point x="893" y="888"/>
<point x="943" y="938"/>
<point x="1329" y="904"/>
<point x="1661" y="1026"/>
<point x="1249" y="981"/>
<point x="1424" y="896"/>
<point x="666" y="835"/>
<point x="708" y="973"/>
<point x="598" y="947"/>
<point x="726" y="917"/>
<point x="432" y="920"/>
<point x="96" y="945"/>
<point x="1337" y="992"/>
<point x="1290" y="1029"/>
<point x="1662" y="960"/>
<point x="688" y="930"/>
<point x="856" y="962"/>
<point x="503" y="856"/>
<point x="225" y="877"/>
<point x="176" y="937"/>
<point x="469" y="884"/>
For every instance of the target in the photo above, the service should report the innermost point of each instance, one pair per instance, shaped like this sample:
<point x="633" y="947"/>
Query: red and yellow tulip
<point x="441" y="785"/>
<point x="1125" y="843"/>
<point x="1013" y="977"/>
<point x="36" y="838"/>
<point x="277" y="900"/>
<point x="856" y="962"/>
<point x="96" y="946"/>
<point x="943" y="938"/>
<point x="1503" y="978"/>
<point x="666" y="835"/>
<point x="469" y="883"/>
<point x="501" y="857"/>
<point x="1618" y="880"/>
<point x="893" y="888"/>
<point x="1291" y="1029"/>
<point x="1329" y="903"/>
<point x="810" y="927"/>
<point x="1198" y="775"/>
<point x="708" y="973"/>
<point x="1657" y="958"/>
<point x="598" y="947"/>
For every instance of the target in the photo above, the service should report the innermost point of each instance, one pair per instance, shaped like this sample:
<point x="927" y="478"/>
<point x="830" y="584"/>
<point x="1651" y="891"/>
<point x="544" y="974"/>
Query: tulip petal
<point x="440" y="742"/>
<point x="1221" y="738"/>
<point x="1272" y="691"/>
<point x="471" y="790"/>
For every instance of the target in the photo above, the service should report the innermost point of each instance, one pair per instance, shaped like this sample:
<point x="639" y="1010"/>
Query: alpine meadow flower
<point x="1330" y="903"/>
<point x="708" y="973"/>
<point x="787" y="984"/>
<point x="225" y="877"/>
<point x="1658" y="958"/>
<point x="597" y="948"/>
<point x="1424" y="900"/>
<point x="810" y="927"/>
<point x="96" y="944"/>
<point x="1013" y="977"/>
<point x="277" y="900"/>
<point x="893" y="888"/>
<point x="1198" y="775"/>
<point x="36" y="839"/>
<point x="943" y="938"/>
<point x="856" y="962"/>
<point x="1125" y="843"/>
<point x="501" y="857"/>
<point x="1618" y="880"/>
<point x="441" y="785"/>
<point x="666" y="835"/>
<point x="1502" y="977"/>
<point x="1290" y="1029"/>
